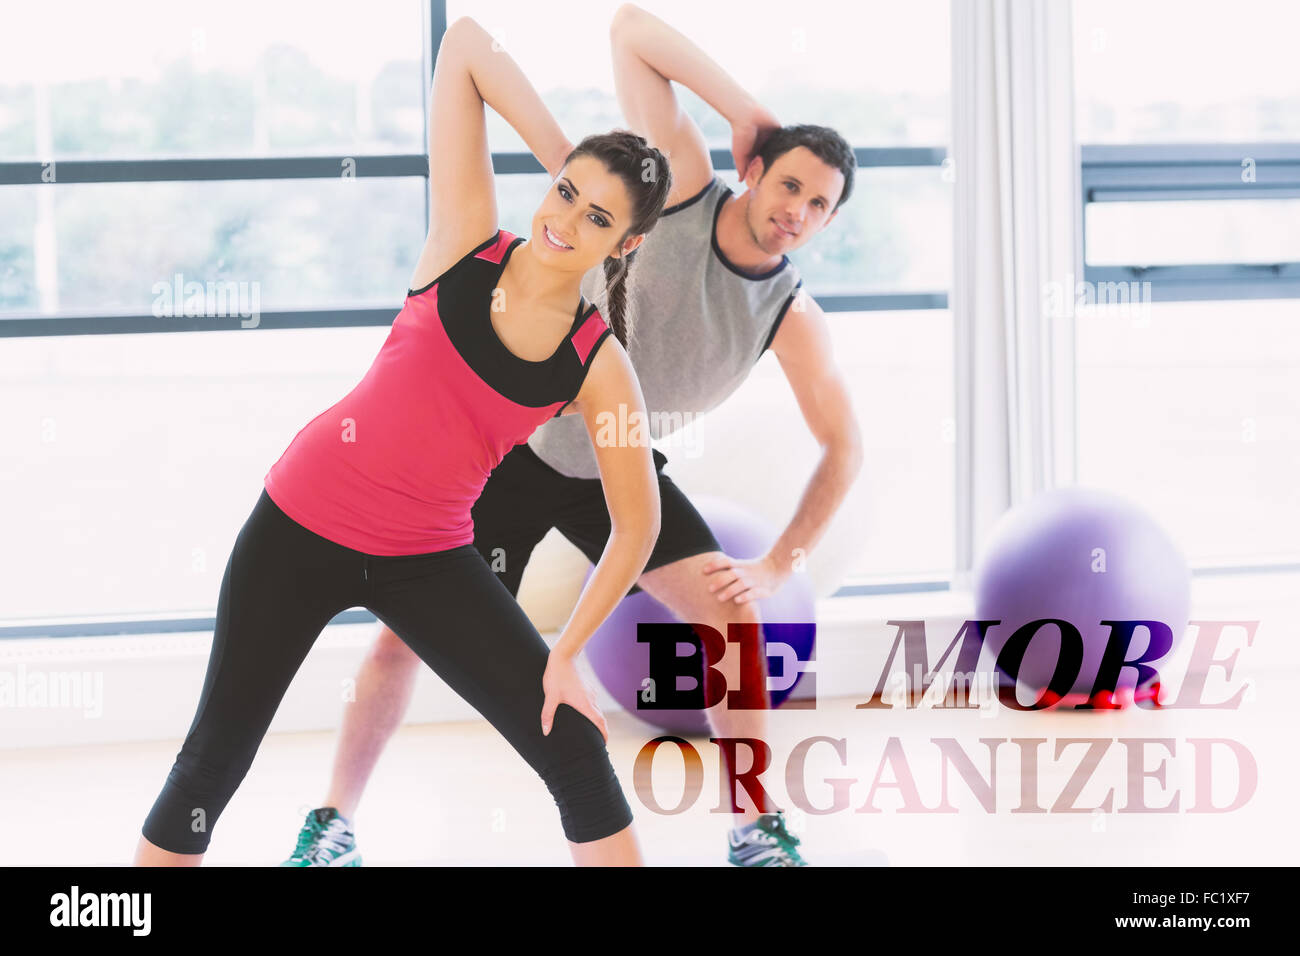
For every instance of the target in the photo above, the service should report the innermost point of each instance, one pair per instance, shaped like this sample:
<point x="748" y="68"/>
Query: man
<point x="711" y="290"/>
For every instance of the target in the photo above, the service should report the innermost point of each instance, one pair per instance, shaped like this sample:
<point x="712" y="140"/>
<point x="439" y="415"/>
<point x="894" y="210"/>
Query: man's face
<point x="792" y="202"/>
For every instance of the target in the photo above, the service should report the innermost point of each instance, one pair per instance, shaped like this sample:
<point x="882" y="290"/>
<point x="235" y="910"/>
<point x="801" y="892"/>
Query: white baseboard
<point x="150" y="684"/>
<point x="105" y="690"/>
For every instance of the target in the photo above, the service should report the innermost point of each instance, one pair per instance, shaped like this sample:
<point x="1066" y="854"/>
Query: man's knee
<point x="747" y="612"/>
<point x="683" y="587"/>
<point x="678" y="581"/>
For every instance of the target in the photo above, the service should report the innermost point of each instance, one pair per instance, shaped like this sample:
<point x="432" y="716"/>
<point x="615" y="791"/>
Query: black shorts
<point x="524" y="498"/>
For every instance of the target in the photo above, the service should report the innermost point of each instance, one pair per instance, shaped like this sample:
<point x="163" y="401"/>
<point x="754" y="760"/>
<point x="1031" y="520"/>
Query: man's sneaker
<point x="767" y="843"/>
<point x="325" y="840"/>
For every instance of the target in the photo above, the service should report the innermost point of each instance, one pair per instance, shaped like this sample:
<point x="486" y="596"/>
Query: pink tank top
<point x="395" y="466"/>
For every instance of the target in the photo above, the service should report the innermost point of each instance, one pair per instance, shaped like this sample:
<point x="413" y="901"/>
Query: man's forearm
<point x="677" y="59"/>
<point x="503" y="86"/>
<point x="825" y="491"/>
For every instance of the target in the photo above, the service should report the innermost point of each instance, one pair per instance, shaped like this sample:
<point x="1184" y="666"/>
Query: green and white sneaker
<point x="765" y="843"/>
<point x="325" y="840"/>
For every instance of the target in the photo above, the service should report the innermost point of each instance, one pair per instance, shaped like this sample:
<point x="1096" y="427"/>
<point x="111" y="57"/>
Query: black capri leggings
<point x="283" y="584"/>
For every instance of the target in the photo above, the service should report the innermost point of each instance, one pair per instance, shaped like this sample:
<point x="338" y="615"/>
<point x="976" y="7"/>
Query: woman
<point x="370" y="504"/>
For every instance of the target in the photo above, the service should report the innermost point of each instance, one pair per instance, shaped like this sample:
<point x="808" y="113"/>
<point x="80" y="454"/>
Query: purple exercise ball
<point x="621" y="663"/>
<point x="1083" y="556"/>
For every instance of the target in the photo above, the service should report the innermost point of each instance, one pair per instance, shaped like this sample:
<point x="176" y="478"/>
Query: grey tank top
<point x="698" y="325"/>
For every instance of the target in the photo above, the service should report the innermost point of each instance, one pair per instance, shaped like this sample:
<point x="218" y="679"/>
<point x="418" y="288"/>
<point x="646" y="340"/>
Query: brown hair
<point x="644" y="171"/>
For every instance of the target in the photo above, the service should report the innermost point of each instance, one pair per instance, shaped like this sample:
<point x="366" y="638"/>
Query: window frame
<point x="209" y="169"/>
<point x="1165" y="172"/>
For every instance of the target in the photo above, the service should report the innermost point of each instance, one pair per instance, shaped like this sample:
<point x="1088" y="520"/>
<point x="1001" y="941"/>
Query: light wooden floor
<point x="456" y="793"/>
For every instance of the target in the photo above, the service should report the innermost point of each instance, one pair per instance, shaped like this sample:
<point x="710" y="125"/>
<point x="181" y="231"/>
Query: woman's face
<point x="584" y="213"/>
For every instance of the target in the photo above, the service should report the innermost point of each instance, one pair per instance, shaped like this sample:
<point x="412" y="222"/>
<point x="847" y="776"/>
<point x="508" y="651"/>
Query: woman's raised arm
<point x="472" y="70"/>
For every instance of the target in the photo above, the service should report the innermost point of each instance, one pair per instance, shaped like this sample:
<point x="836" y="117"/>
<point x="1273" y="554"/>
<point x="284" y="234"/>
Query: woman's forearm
<point x="622" y="562"/>
<point x="503" y="86"/>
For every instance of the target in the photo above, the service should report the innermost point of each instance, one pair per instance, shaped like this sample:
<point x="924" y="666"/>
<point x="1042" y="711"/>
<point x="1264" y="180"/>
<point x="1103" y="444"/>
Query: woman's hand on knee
<point x="562" y="684"/>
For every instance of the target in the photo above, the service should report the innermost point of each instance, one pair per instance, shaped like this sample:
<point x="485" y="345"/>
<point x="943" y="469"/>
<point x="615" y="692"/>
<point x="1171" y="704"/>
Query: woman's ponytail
<point x="616" y="278"/>
<point x="645" y="172"/>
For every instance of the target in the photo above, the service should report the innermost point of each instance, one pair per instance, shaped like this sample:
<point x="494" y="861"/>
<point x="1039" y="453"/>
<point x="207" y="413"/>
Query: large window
<point x="300" y="243"/>
<point x="133" y="460"/>
<point x="290" y="157"/>
<point x="883" y="268"/>
<point x="1189" y="397"/>
<point x="152" y="78"/>
<point x="214" y="144"/>
<point x="1186" y="71"/>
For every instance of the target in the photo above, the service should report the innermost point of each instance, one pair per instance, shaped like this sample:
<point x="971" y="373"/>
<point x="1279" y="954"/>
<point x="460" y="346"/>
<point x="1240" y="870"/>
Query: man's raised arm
<point x="649" y="56"/>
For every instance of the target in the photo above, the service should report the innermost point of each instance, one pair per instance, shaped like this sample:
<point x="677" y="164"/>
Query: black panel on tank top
<point x="464" y="305"/>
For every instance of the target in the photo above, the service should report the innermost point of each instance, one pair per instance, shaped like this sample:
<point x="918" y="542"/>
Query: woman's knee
<point x="194" y="795"/>
<point x="576" y="768"/>
<point x="588" y="795"/>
